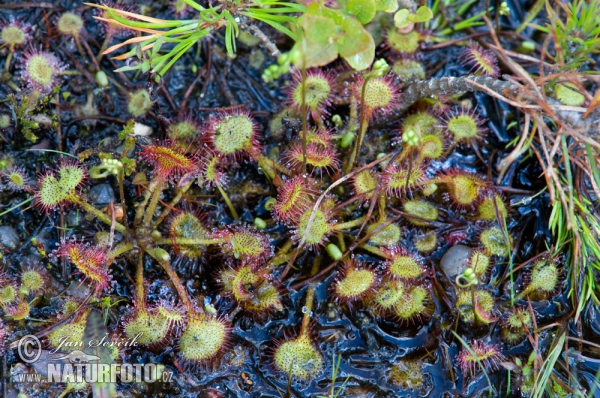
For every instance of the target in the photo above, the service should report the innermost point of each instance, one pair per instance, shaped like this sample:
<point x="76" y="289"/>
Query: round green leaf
<point x="364" y="10"/>
<point x="362" y="60"/>
<point x="423" y="14"/>
<point x="388" y="6"/>
<point x="318" y="29"/>
<point x="401" y="18"/>
<point x="355" y="39"/>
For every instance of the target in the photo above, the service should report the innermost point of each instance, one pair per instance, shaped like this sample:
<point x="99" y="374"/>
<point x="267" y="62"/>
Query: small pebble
<point x="102" y="195"/>
<point x="455" y="260"/>
<point x="9" y="237"/>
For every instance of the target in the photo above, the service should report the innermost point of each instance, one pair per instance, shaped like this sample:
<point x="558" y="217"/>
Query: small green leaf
<point x="145" y="66"/>
<point x="423" y="14"/>
<point x="401" y="18"/>
<point x="356" y="39"/>
<point x="362" y="60"/>
<point x="388" y="6"/>
<point x="128" y="68"/>
<point x="157" y="45"/>
<point x="318" y="29"/>
<point x="317" y="54"/>
<point x="364" y="10"/>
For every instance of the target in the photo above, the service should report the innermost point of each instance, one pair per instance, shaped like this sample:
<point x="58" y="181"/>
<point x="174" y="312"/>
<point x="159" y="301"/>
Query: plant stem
<point x="8" y="59"/>
<point x="190" y="241"/>
<point x="179" y="287"/>
<point x="180" y="192"/>
<point x="153" y="201"/>
<point x="310" y="298"/>
<point x="99" y="215"/>
<point x="362" y="128"/>
<point x="139" y="283"/>
<point x="349" y="224"/>
<point x="229" y="204"/>
<point x="375" y="250"/>
<point x="122" y="248"/>
<point x="139" y="212"/>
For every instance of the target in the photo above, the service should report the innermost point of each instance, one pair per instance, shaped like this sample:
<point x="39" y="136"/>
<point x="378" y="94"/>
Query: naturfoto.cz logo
<point x="77" y="366"/>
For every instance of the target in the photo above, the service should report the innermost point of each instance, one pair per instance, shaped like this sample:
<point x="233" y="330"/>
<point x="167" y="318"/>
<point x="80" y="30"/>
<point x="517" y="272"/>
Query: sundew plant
<point x="301" y="199"/>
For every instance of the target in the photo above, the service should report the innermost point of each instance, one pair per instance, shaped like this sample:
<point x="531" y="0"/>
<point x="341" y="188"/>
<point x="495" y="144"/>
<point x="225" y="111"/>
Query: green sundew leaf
<point x="356" y="39"/>
<point x="423" y="14"/>
<point x="318" y="29"/>
<point x="401" y="18"/>
<point x="388" y="6"/>
<point x="364" y="10"/>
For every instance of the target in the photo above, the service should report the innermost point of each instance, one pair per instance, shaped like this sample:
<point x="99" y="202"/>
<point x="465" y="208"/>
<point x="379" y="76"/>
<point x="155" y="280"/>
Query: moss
<point x="139" y="103"/>
<point x="407" y="374"/>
